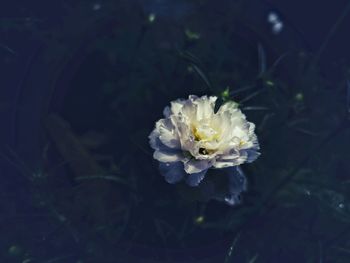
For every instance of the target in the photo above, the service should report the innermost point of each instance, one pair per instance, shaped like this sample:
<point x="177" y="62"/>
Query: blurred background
<point x="82" y="84"/>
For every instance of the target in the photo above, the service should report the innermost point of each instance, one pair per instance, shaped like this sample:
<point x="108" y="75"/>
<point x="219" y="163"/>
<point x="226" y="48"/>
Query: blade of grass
<point x="8" y="49"/>
<point x="305" y="131"/>
<point x="284" y="181"/>
<point x="202" y="76"/>
<point x="278" y="60"/>
<point x="348" y="98"/>
<point x="255" y="108"/>
<point x="253" y="259"/>
<point x="197" y="67"/>
<point x="251" y="96"/>
<point x="232" y="247"/>
<point x="332" y="31"/>
<point x="262" y="60"/>
<point x="111" y="178"/>
<point x="189" y="57"/>
<point x="241" y="89"/>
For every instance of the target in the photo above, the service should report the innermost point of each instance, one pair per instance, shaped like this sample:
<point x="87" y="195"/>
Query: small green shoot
<point x="191" y="35"/>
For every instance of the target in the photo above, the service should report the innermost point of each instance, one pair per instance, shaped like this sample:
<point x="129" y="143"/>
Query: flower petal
<point x="184" y="133"/>
<point x="154" y="139"/>
<point x="237" y="180"/>
<point x="229" y="106"/>
<point x="167" y="156"/>
<point x="205" y="107"/>
<point x="196" y="166"/>
<point x="167" y="112"/>
<point x="237" y="185"/>
<point x="195" y="178"/>
<point x="176" y="106"/>
<point x="167" y="133"/>
<point x="224" y="164"/>
<point x="252" y="155"/>
<point x="189" y="109"/>
<point x="173" y="172"/>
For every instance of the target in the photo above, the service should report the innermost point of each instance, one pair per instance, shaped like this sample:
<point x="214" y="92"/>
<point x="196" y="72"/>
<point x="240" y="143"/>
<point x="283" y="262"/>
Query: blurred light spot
<point x="277" y="28"/>
<point x="15" y="251"/>
<point x="96" y="7"/>
<point x="151" y="17"/>
<point x="299" y="96"/>
<point x="199" y="220"/>
<point x="189" y="69"/>
<point x="307" y="192"/>
<point x="272" y="17"/>
<point x="275" y="21"/>
<point x="269" y="83"/>
<point x="341" y="206"/>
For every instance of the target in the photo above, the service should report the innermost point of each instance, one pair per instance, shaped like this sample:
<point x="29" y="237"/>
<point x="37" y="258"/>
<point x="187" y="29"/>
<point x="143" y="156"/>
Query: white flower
<point x="193" y="138"/>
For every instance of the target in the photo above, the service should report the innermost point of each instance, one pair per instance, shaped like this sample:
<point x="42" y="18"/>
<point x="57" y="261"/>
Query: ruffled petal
<point x="176" y="106"/>
<point x="229" y="106"/>
<point x="223" y="164"/>
<point x="205" y="107"/>
<point x="167" y="112"/>
<point x="238" y="160"/>
<point x="154" y="139"/>
<point x="196" y="166"/>
<point x="195" y="178"/>
<point x="173" y="172"/>
<point x="237" y="185"/>
<point x="167" y="133"/>
<point x="252" y="155"/>
<point x="167" y="156"/>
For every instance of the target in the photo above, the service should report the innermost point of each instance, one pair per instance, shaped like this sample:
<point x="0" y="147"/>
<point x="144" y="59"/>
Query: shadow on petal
<point x="173" y="172"/>
<point x="252" y="155"/>
<point x="195" y="178"/>
<point x="237" y="185"/>
<point x="224" y="185"/>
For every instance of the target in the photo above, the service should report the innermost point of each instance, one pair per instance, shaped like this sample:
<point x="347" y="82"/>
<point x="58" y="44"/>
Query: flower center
<point x="205" y="133"/>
